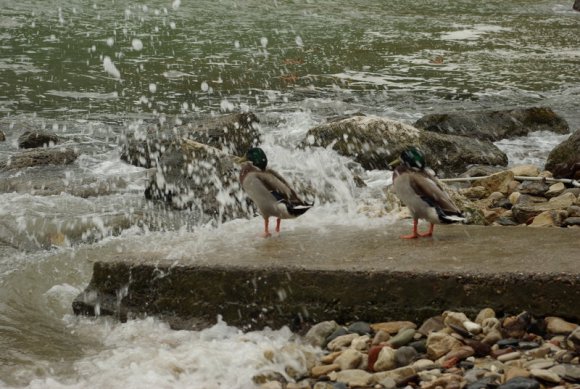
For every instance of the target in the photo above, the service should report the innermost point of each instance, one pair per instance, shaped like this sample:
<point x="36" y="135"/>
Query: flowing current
<point x="92" y="71"/>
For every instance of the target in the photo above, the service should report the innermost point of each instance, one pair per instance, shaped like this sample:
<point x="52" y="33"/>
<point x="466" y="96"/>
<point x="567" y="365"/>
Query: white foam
<point x="148" y="354"/>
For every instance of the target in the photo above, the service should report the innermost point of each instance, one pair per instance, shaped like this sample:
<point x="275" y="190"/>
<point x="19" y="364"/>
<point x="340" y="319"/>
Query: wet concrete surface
<point x="345" y="274"/>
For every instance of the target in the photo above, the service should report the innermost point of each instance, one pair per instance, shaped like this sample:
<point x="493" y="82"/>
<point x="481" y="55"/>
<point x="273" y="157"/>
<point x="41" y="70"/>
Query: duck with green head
<point x="269" y="191"/>
<point x="421" y="193"/>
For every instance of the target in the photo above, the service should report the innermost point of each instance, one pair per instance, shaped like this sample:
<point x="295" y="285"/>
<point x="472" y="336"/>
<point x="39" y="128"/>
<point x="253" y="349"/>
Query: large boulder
<point x="234" y="134"/>
<point x="38" y="157"/>
<point x="203" y="178"/>
<point x="564" y="160"/>
<point x="34" y="139"/>
<point x="495" y="125"/>
<point x="374" y="142"/>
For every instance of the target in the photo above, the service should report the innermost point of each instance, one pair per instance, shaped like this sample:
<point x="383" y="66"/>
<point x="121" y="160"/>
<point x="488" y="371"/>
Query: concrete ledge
<point x="391" y="279"/>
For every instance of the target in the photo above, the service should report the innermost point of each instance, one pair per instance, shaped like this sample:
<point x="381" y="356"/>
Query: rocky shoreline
<point x="449" y="351"/>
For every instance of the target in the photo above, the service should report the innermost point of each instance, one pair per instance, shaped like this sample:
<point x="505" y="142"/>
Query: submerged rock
<point x="34" y="139"/>
<point x="233" y="134"/>
<point x="495" y="125"/>
<point x="374" y="142"/>
<point x="37" y="157"/>
<point x="201" y="177"/>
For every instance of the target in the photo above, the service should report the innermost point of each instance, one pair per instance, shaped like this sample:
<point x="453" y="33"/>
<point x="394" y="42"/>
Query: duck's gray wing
<point x="431" y="193"/>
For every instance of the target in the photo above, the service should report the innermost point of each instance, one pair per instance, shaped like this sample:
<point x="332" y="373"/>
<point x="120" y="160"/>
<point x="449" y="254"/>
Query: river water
<point x="94" y="70"/>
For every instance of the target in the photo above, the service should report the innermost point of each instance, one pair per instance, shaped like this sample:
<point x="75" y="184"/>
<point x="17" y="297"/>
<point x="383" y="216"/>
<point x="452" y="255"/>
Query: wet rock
<point x="481" y="171"/>
<point x="341" y="342"/>
<point x="460" y="353"/>
<point x="506" y="221"/>
<point x="539" y="363"/>
<point x="483" y="383"/>
<point x="271" y="385"/>
<point x="380" y="337"/>
<point x="387" y="383"/>
<point x="567" y="371"/>
<point x="2" y="136"/>
<point x="392" y="327"/>
<point x="35" y="139"/>
<point x="515" y="371"/>
<point x="439" y="344"/>
<point x="509" y="342"/>
<point x="509" y="356"/>
<point x="520" y="383"/>
<point x="349" y="359"/>
<point x="534" y="188"/>
<point x="340" y="331"/>
<point x="549" y="219"/>
<point x="400" y="374"/>
<point x="433" y="324"/>
<point x="385" y="360"/>
<point x="485" y="313"/>
<point x="232" y="134"/>
<point x="516" y="326"/>
<point x="353" y="378"/>
<point x="573" y="340"/>
<point x="39" y="157"/>
<point x="563" y="201"/>
<point x="317" y="335"/>
<point x="576" y="5"/>
<point x="403" y="337"/>
<point x="474" y="192"/>
<point x="405" y="355"/>
<point x="564" y="160"/>
<point x="526" y="208"/>
<point x="555" y="190"/>
<point x="571" y="222"/>
<point x="545" y="375"/>
<point x="199" y="177"/>
<point x="480" y="349"/>
<point x="361" y="343"/>
<point x="321" y="370"/>
<point x="525" y="170"/>
<point x="573" y="211"/>
<point x="419" y="345"/>
<point x="495" y="125"/>
<point x="498" y="182"/>
<point x="269" y="376"/>
<point x="373" y="355"/>
<point x="559" y="326"/>
<point x="360" y="328"/>
<point x="374" y="142"/>
<point x="446" y="381"/>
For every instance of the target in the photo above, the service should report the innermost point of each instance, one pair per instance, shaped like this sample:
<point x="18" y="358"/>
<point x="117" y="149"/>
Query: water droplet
<point x="175" y="4"/>
<point x="152" y="88"/>
<point x="299" y="41"/>
<point x="137" y="44"/>
<point x="264" y="41"/>
<point x="204" y="86"/>
<point x="110" y="42"/>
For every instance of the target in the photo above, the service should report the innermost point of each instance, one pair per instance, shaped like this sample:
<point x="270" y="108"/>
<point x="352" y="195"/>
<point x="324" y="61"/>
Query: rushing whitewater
<point x="93" y="72"/>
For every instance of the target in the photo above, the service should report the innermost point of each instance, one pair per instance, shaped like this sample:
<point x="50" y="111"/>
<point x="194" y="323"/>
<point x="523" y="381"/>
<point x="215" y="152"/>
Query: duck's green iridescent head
<point x="412" y="157"/>
<point x="258" y="158"/>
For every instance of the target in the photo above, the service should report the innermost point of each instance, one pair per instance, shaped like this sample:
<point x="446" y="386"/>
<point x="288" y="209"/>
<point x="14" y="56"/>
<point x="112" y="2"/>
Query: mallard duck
<point x="269" y="191"/>
<point x="415" y="185"/>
